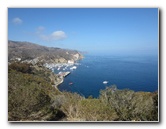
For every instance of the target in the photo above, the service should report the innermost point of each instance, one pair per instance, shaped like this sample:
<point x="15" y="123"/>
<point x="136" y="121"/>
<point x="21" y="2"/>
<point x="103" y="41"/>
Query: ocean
<point x="138" y="73"/>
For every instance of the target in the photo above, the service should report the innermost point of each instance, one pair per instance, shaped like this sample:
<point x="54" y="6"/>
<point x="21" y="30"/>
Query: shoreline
<point x="63" y="69"/>
<point x="56" y="85"/>
<point x="61" y="79"/>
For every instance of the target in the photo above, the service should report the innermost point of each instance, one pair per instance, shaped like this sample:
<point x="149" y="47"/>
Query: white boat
<point x="74" y="67"/>
<point x="105" y="82"/>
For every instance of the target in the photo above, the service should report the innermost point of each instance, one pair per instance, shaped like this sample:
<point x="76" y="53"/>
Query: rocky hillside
<point x="33" y="53"/>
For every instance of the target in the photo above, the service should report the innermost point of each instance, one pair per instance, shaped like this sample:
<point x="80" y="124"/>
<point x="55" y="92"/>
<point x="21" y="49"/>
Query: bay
<point x="138" y="73"/>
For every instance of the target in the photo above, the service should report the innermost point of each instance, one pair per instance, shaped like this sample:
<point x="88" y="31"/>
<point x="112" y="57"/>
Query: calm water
<point x="135" y="73"/>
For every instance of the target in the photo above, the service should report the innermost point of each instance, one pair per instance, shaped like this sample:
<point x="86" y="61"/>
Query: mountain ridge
<point x="22" y="51"/>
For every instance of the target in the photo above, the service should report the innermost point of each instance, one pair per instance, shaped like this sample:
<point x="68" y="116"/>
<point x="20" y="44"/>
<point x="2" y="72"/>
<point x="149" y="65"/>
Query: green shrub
<point x="20" y="67"/>
<point x="130" y="105"/>
<point x="95" y="110"/>
<point x="29" y="94"/>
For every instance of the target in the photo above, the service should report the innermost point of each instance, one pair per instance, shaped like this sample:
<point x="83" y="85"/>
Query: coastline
<point x="63" y="69"/>
<point x="56" y="85"/>
<point x="61" y="79"/>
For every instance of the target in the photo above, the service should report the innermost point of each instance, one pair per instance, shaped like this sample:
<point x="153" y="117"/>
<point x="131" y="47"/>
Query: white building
<point x="70" y="61"/>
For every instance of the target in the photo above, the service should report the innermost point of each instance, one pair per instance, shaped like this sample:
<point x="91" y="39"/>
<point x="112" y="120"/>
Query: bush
<point x="130" y="105"/>
<point x="29" y="97"/>
<point x="20" y="67"/>
<point x="95" y="110"/>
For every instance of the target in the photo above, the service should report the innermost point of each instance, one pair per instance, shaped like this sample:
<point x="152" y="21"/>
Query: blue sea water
<point x="138" y="73"/>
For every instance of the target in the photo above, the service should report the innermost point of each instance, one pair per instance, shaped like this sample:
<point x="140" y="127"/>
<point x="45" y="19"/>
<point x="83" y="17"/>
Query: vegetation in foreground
<point x="31" y="97"/>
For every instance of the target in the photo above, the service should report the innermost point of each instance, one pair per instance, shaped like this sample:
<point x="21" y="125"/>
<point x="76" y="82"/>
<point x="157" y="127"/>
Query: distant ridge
<point x="29" y="51"/>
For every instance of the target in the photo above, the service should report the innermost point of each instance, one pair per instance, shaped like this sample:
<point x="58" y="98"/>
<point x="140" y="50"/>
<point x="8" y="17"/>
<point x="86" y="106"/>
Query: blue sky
<point x="95" y="30"/>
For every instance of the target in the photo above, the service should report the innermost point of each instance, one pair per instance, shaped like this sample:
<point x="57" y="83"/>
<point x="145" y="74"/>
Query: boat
<point x="105" y="82"/>
<point x="70" y="83"/>
<point x="74" y="67"/>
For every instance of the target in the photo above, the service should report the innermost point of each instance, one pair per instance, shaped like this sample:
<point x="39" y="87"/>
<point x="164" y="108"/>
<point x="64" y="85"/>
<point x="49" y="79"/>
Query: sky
<point x="123" y="31"/>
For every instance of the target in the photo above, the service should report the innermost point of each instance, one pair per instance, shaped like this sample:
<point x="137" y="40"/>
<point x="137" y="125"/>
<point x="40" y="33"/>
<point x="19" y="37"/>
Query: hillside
<point x="31" y="97"/>
<point x="30" y="52"/>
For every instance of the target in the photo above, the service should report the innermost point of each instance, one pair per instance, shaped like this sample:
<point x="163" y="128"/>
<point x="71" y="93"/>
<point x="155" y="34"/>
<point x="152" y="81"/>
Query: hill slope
<point x="31" y="97"/>
<point x="26" y="51"/>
